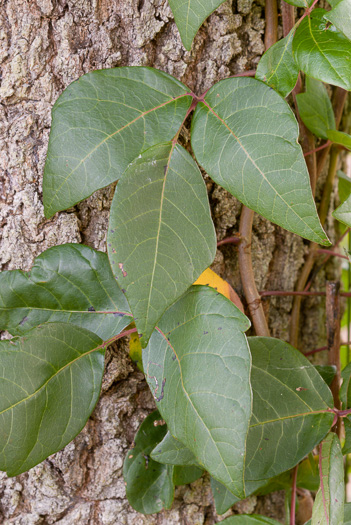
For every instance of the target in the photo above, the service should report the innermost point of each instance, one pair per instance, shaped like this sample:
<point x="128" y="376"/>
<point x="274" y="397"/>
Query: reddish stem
<point x="105" y="344"/>
<point x="331" y="253"/>
<point x="326" y="145"/>
<point x="229" y="240"/>
<point x="322" y="348"/>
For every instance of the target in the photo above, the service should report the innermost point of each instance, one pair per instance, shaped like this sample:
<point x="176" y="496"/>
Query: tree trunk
<point x="44" y="46"/>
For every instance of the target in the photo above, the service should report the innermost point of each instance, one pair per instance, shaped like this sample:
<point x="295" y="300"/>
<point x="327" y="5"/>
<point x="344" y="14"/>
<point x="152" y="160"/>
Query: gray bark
<point x="44" y="46"/>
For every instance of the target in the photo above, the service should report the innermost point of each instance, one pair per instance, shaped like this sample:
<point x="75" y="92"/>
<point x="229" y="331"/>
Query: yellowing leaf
<point x="210" y="278"/>
<point x="135" y="350"/>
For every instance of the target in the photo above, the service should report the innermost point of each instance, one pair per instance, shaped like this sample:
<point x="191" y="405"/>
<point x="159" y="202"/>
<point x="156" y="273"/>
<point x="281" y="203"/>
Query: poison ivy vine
<point x="246" y="410"/>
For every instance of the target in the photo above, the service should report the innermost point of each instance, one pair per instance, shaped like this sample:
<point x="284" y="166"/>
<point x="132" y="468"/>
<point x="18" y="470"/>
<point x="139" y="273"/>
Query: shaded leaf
<point x="322" y="52"/>
<point x="339" y="137"/>
<point x="344" y="186"/>
<point x="189" y="15"/>
<point x="173" y="452"/>
<point x="346" y="449"/>
<point x="347" y="514"/>
<point x="185" y="475"/>
<point x="245" y="136"/>
<point x="198" y="367"/>
<point x="223" y="498"/>
<point x="340" y="16"/>
<point x="249" y="519"/>
<point x="50" y="381"/>
<point x="328" y="507"/>
<point x="343" y="213"/>
<point x="101" y="123"/>
<point x="327" y="372"/>
<point x="300" y="3"/>
<point x="71" y="283"/>
<point x="289" y="415"/>
<point x="149" y="485"/>
<point x="161" y="236"/>
<point x="277" y="67"/>
<point x="315" y="108"/>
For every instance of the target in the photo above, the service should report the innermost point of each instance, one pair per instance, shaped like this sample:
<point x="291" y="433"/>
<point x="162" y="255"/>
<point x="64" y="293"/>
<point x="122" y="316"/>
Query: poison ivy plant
<point x="50" y="381"/>
<point x="245" y="136"/>
<point x="322" y="52"/>
<point x="149" y="485"/>
<point x="329" y="504"/>
<point x="101" y="123"/>
<point x="189" y="15"/>
<point x="340" y="16"/>
<point x="198" y="365"/>
<point x="315" y="108"/>
<point x="160" y="240"/>
<point x="245" y="410"/>
<point x="70" y="283"/>
<point x="277" y="67"/>
<point x="290" y="408"/>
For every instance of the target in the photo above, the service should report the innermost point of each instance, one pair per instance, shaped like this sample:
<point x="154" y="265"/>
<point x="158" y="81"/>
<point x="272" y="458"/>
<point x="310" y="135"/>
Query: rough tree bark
<point x="45" y="45"/>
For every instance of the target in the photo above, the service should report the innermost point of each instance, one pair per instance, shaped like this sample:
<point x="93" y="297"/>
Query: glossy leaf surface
<point x="50" y="381"/>
<point x="339" y="137"/>
<point x="315" y="108"/>
<point x="70" y="283"/>
<point x="198" y="367"/>
<point x="289" y="403"/>
<point x="189" y="15"/>
<point x="322" y="52"/>
<point x="340" y="16"/>
<point x="149" y="485"/>
<point x="101" y="123"/>
<point x="277" y="67"/>
<point x="245" y="136"/>
<point x="329" y="503"/>
<point x="161" y="236"/>
<point x="173" y="452"/>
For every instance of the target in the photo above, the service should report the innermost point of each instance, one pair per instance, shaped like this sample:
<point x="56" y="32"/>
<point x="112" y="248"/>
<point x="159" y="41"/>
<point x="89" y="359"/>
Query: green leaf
<point x="198" y="367"/>
<point x="249" y="519"/>
<point x="149" y="485"/>
<point x="323" y="52"/>
<point x="300" y="3"/>
<point x="327" y="372"/>
<point x="315" y="108"/>
<point x="70" y="283"/>
<point x="189" y="15"/>
<point x="277" y="67"/>
<point x="50" y="381"/>
<point x="347" y="514"/>
<point x="343" y="213"/>
<point x="101" y="123"/>
<point x="344" y="186"/>
<point x="329" y="503"/>
<point x="223" y="498"/>
<point x="173" y="452"/>
<point x="340" y="16"/>
<point x="289" y="417"/>
<point x="345" y="389"/>
<point x="161" y="236"/>
<point x="346" y="449"/>
<point x="185" y="475"/>
<point x="339" y="137"/>
<point x="245" y="136"/>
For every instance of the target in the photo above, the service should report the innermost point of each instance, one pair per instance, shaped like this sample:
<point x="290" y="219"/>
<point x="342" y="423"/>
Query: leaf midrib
<point x="258" y="169"/>
<point x="142" y="115"/>
<point x="50" y="378"/>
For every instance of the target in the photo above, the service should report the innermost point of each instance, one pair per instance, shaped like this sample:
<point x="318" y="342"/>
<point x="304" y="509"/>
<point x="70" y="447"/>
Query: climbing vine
<point x="245" y="409"/>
